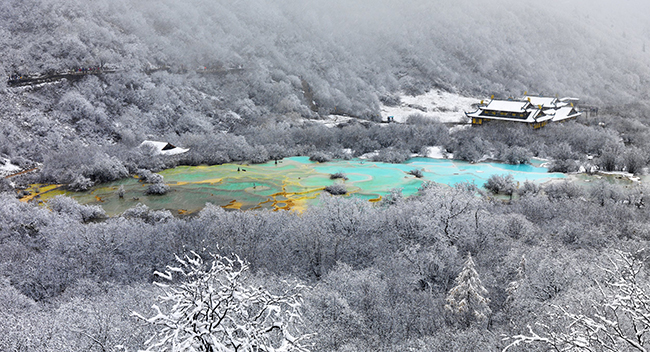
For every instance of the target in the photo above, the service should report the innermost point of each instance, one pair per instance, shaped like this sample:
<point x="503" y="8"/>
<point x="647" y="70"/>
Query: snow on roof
<point x="564" y="113"/>
<point x="164" y="148"/>
<point x="552" y="109"/>
<point x="546" y="102"/>
<point x="507" y="105"/>
<point x="531" y="117"/>
<point x="543" y="118"/>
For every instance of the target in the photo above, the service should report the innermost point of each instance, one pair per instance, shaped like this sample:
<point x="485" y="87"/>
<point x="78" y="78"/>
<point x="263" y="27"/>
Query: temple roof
<point x="564" y="113"/>
<point x="507" y="105"/>
<point x="546" y="102"/>
<point x="529" y="109"/>
<point x="530" y="115"/>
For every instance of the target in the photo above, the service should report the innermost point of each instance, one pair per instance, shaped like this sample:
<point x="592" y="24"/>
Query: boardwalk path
<point x="38" y="78"/>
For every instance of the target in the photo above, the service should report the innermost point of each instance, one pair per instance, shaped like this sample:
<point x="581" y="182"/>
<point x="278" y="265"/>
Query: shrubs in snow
<point x="157" y="189"/>
<point x="417" y="173"/>
<point x="336" y="189"/>
<point x="157" y="186"/>
<point x="320" y="157"/>
<point x="70" y="207"/>
<point x="149" y="177"/>
<point x="501" y="184"/>
<point x="80" y="184"/>
<point x="143" y="212"/>
<point x="392" y="155"/>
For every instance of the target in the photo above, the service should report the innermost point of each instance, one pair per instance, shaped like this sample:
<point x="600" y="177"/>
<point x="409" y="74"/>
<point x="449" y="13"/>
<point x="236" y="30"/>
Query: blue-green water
<point x="293" y="183"/>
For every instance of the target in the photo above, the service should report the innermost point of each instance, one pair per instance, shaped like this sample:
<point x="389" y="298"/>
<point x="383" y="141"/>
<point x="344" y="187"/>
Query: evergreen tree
<point x="467" y="301"/>
<point x="514" y="285"/>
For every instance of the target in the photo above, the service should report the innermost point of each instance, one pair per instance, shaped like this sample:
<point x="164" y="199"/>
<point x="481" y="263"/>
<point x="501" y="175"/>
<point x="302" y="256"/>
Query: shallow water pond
<point x="293" y="183"/>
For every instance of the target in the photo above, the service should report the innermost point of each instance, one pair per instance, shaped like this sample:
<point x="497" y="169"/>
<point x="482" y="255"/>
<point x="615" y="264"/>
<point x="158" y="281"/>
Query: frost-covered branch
<point x="620" y="320"/>
<point x="212" y="310"/>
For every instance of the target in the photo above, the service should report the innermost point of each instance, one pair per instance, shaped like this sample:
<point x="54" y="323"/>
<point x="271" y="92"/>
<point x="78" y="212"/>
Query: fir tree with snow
<point x="514" y="285"/>
<point x="467" y="301"/>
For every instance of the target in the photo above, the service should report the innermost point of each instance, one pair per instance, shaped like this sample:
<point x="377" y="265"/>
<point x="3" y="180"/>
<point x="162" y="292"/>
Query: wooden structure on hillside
<point x="532" y="110"/>
<point x="18" y="80"/>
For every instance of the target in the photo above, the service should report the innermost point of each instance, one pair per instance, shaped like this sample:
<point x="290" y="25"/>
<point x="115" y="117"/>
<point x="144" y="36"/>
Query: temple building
<point x="532" y="110"/>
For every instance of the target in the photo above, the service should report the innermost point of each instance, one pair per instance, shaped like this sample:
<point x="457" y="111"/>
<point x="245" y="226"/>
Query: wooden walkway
<point x="38" y="78"/>
<point x="21" y="173"/>
<point x="28" y="80"/>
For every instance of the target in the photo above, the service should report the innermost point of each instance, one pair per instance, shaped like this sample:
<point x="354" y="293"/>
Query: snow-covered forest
<point x="450" y="269"/>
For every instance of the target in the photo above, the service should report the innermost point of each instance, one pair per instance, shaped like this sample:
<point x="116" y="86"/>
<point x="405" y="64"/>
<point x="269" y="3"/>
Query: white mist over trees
<point x="350" y="53"/>
<point x="234" y="80"/>
<point x="188" y="71"/>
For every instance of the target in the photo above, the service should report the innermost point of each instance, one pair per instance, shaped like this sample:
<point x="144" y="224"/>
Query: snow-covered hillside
<point x="7" y="168"/>
<point x="435" y="104"/>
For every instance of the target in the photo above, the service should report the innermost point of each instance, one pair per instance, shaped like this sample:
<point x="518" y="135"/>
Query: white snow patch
<point x="7" y="168"/>
<point x="435" y="104"/>
<point x="622" y="174"/>
<point x="233" y="115"/>
<point x="435" y="153"/>
<point x="456" y="128"/>
<point x="332" y="120"/>
<point x="159" y="147"/>
<point x="369" y="155"/>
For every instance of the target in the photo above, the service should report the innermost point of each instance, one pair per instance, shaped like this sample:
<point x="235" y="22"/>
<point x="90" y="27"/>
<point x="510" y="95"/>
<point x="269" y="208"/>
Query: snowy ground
<point x="438" y="153"/>
<point x="159" y="148"/>
<point x="332" y="120"/>
<point x="7" y="168"/>
<point x="621" y="174"/>
<point x="446" y="107"/>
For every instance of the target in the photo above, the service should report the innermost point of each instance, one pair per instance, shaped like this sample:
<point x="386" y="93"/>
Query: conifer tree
<point x="467" y="301"/>
<point x="514" y="285"/>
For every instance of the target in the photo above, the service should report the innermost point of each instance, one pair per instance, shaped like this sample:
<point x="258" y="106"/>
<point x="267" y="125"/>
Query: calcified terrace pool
<point x="291" y="184"/>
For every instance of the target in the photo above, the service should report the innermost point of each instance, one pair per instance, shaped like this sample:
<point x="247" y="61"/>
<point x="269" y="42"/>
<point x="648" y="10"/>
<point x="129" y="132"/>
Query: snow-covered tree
<point x="467" y="301"/>
<point x="503" y="184"/>
<point x="213" y="310"/>
<point x="514" y="285"/>
<point x="618" y="321"/>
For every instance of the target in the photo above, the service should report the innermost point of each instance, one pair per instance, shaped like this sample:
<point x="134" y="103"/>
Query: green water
<point x="293" y="183"/>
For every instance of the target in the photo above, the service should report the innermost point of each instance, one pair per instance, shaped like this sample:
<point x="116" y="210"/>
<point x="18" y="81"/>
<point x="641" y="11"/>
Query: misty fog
<point x="353" y="50"/>
<point x="253" y="81"/>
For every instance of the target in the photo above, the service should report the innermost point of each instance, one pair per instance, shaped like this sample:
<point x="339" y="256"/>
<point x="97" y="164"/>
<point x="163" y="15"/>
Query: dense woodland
<point x="248" y="81"/>
<point x="379" y="275"/>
